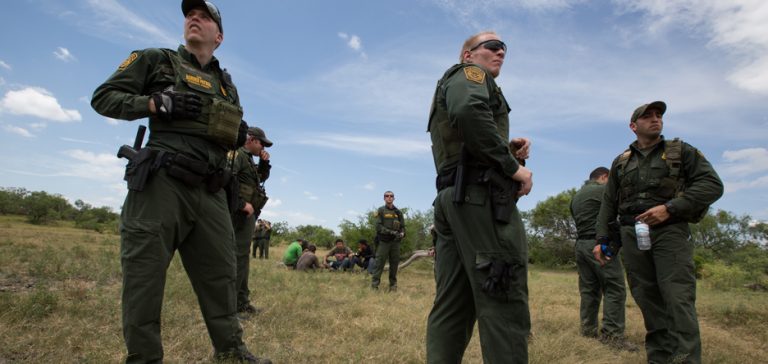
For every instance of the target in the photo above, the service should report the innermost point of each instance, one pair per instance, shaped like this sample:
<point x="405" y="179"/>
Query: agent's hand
<point x="523" y="146"/>
<point x="264" y="155"/>
<point x="171" y="105"/>
<point x="597" y="251"/>
<point x="525" y="177"/>
<point x="248" y="209"/>
<point x="654" y="216"/>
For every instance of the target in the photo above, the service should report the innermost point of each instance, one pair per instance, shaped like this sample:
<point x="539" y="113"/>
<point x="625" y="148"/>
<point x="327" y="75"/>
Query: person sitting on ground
<point x="341" y="254"/>
<point x="364" y="256"/>
<point x="308" y="259"/>
<point x="293" y="252"/>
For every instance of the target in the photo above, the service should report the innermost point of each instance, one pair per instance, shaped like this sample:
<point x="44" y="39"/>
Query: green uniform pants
<point x="263" y="246"/>
<point x="243" y="242"/>
<point x="663" y="284"/>
<point x="597" y="284"/>
<point x="386" y="251"/>
<point x="169" y="216"/>
<point x="468" y="235"/>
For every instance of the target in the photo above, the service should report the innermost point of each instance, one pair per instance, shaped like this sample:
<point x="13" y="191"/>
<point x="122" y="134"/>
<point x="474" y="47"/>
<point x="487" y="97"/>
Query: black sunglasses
<point x="491" y="45"/>
<point x="389" y="195"/>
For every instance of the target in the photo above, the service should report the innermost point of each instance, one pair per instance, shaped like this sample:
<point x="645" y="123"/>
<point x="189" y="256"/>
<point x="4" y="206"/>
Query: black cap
<point x="213" y="11"/>
<point x="658" y="105"/>
<point x="259" y="134"/>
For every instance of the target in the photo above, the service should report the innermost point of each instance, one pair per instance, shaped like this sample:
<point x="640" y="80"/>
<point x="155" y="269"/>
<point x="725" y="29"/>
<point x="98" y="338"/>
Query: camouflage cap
<point x="213" y="11"/>
<point x="659" y="105"/>
<point x="259" y="134"/>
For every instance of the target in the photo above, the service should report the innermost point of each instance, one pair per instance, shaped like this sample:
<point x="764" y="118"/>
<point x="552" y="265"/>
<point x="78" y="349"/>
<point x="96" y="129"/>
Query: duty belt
<point x="190" y="171"/>
<point x="586" y="236"/>
<point x="446" y="179"/>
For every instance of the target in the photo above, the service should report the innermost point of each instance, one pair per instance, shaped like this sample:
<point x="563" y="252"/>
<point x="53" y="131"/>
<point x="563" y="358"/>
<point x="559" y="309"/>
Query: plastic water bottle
<point x="643" y="233"/>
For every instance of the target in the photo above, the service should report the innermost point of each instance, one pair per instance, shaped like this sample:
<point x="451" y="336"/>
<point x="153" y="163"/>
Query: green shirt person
<point x="251" y="178"/>
<point x="390" y="231"/>
<point x="481" y="252"/>
<point x="175" y="200"/>
<point x="597" y="283"/>
<point x="667" y="185"/>
<point x="293" y="252"/>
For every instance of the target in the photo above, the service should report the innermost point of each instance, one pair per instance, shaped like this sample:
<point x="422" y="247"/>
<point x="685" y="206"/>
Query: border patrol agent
<point x="390" y="231"/>
<point x="481" y="252"/>
<point x="176" y="200"/>
<point x="253" y="197"/>
<point x="665" y="184"/>
<point x="597" y="283"/>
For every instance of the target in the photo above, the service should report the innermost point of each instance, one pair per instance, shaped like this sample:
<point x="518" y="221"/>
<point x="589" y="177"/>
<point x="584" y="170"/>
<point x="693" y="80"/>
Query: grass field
<point x="60" y="289"/>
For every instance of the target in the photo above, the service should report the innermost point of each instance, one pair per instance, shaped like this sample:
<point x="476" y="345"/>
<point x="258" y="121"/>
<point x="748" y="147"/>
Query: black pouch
<point x="218" y="179"/>
<point x="190" y="171"/>
<point x="138" y="170"/>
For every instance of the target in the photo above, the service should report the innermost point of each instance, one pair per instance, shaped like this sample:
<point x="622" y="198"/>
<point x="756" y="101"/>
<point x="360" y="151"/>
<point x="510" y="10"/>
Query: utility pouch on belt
<point x="138" y="169"/>
<point x="499" y="280"/>
<point x="190" y="171"/>
<point x="218" y="179"/>
<point x="259" y="199"/>
<point x="503" y="194"/>
<point x="224" y="122"/>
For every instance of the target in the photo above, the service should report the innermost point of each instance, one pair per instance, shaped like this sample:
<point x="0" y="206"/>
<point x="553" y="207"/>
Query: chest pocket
<point x="628" y="177"/>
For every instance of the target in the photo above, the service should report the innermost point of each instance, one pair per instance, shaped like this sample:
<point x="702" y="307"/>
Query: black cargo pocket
<point x="497" y="273"/>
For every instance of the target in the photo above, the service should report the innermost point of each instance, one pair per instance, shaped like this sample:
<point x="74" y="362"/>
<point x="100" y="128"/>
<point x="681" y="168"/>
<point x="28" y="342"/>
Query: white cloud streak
<point x="745" y="169"/>
<point x="5" y="65"/>
<point x="118" y="22"/>
<point x="353" y="42"/>
<point x="38" y="102"/>
<point x="371" y="145"/>
<point x="740" y="27"/>
<point x="18" y="131"/>
<point x="64" y="54"/>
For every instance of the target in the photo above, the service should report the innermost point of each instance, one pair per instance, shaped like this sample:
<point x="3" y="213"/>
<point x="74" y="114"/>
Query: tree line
<point x="40" y="208"/>
<point x="729" y="250"/>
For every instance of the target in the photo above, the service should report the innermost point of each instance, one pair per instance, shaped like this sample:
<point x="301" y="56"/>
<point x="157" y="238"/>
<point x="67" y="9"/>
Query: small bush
<point x="719" y="275"/>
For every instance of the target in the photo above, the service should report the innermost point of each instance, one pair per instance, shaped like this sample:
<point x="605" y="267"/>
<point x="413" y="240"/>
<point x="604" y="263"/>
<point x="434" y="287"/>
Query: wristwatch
<point x="670" y="208"/>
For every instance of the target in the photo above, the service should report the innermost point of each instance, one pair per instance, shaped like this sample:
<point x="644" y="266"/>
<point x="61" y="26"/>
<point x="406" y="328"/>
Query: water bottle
<point x="643" y="233"/>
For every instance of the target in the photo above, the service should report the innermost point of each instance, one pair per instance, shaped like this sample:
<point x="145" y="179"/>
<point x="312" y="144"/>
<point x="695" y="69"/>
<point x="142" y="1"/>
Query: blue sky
<point x="343" y="88"/>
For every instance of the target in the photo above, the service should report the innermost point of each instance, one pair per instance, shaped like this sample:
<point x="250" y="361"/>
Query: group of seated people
<point x="300" y="255"/>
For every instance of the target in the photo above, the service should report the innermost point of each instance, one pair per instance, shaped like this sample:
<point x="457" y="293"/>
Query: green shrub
<point x="719" y="275"/>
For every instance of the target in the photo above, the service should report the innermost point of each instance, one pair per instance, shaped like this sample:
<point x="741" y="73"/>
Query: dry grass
<point x="60" y="288"/>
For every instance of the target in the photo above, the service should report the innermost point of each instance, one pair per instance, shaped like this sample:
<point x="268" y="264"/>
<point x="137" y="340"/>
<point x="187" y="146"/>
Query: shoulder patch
<point x="474" y="74"/>
<point x="128" y="61"/>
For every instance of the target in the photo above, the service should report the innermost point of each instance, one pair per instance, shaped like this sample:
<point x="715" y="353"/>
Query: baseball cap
<point x="660" y="105"/>
<point x="213" y="11"/>
<point x="257" y="133"/>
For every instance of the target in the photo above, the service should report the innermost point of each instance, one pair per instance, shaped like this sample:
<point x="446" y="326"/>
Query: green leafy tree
<point x="43" y="208"/>
<point x="11" y="200"/>
<point x="552" y="230"/>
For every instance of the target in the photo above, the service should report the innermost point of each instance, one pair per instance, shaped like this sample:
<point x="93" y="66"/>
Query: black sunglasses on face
<point x="491" y="45"/>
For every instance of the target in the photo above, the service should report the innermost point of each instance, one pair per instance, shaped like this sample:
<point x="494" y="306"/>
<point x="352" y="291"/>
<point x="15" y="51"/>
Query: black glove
<point x="172" y="105"/>
<point x="242" y="134"/>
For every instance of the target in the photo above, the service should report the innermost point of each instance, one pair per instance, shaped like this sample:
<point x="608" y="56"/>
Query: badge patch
<point x="474" y="74"/>
<point x="128" y="61"/>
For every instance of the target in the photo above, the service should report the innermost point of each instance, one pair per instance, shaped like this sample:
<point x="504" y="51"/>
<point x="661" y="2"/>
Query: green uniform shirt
<point x="468" y="99"/>
<point x="126" y="93"/>
<point x="389" y="223"/>
<point x="585" y="206"/>
<point x="642" y="174"/>
<point x="249" y="175"/>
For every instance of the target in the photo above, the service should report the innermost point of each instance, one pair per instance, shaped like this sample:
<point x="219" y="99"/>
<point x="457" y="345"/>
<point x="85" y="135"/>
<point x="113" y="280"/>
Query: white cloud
<point x="18" y="131"/>
<point x="101" y="167"/>
<point x="274" y="202"/>
<point x="370" y="186"/>
<point x="371" y="145"/>
<point x="81" y="141"/>
<point x="38" y="102"/>
<point x="481" y="15"/>
<point x="64" y="54"/>
<point x="311" y="196"/>
<point x="118" y="23"/>
<point x="353" y="42"/>
<point x="111" y="121"/>
<point x="745" y="169"/>
<point x="5" y="65"/>
<point x="38" y="126"/>
<point x="738" y="26"/>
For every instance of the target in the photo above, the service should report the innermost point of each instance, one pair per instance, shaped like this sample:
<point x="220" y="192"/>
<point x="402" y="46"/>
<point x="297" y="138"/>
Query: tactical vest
<point x="446" y="140"/>
<point x="253" y="194"/>
<point x="664" y="180"/>
<point x="220" y="118"/>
